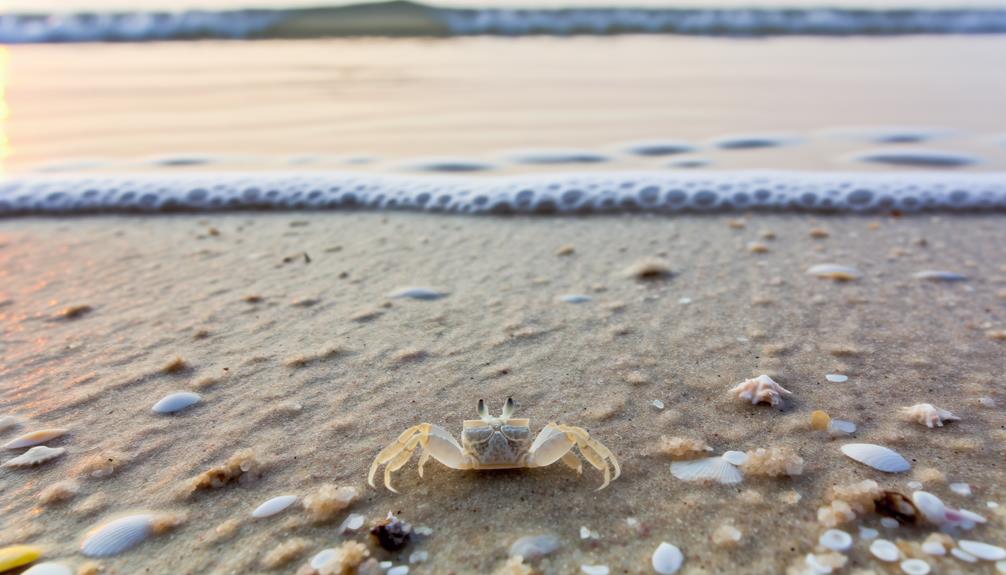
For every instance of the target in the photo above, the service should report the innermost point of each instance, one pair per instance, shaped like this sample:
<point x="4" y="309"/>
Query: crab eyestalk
<point x="507" y="409"/>
<point x="483" y="410"/>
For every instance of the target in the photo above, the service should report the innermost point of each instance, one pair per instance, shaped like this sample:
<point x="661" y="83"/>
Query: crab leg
<point x="555" y="442"/>
<point x="392" y="451"/>
<point x="435" y="441"/>
<point x="400" y="460"/>
<point x="593" y="451"/>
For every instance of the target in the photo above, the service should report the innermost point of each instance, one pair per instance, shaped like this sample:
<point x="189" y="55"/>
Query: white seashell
<point x="970" y="516"/>
<point x="838" y="428"/>
<point x="890" y="522"/>
<point x="982" y="551"/>
<point x="417" y="293"/>
<point x="931" y="506"/>
<point x="400" y="570"/>
<point x="915" y="567"/>
<point x="419" y="556"/>
<point x="835" y="272"/>
<point x="354" y="521"/>
<point x="939" y="276"/>
<point x="836" y="378"/>
<point x="709" y="469"/>
<point x="761" y="389"/>
<point x="963" y="555"/>
<point x="914" y="485"/>
<point x="962" y="489"/>
<point x="116" y="536"/>
<point x="35" y="438"/>
<point x="534" y="547"/>
<point x="667" y="559"/>
<point x="928" y="414"/>
<point x="8" y="422"/>
<point x="423" y="530"/>
<point x="885" y="550"/>
<point x="836" y="540"/>
<point x="933" y="548"/>
<point x="176" y="402"/>
<point x="594" y="569"/>
<point x="987" y="401"/>
<point x="735" y="457"/>
<point x="815" y="565"/>
<point x="48" y="568"/>
<point x="35" y="456"/>
<point x="876" y="456"/>
<point x="658" y="404"/>
<point x="868" y="533"/>
<point x="575" y="298"/>
<point x="322" y="557"/>
<point x="273" y="506"/>
<point x="584" y="532"/>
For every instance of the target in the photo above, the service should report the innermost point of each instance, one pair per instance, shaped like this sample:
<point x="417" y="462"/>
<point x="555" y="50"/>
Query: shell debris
<point x="35" y="438"/>
<point x="761" y="389"/>
<point x="928" y="414"/>
<point x="35" y="456"/>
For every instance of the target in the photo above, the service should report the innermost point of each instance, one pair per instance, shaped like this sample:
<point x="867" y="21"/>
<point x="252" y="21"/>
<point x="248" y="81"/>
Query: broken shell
<point x="761" y="389"/>
<point x="876" y="456"/>
<point x="735" y="457"/>
<point x="48" y="568"/>
<point x="667" y="559"/>
<point x="35" y="438"/>
<point x="116" y="536"/>
<point x="982" y="550"/>
<point x="835" y="272"/>
<point x="176" y="402"/>
<point x="715" y="469"/>
<point x="836" y="540"/>
<point x="273" y="506"/>
<point x="35" y="456"/>
<point x="928" y="414"/>
<point x="885" y="550"/>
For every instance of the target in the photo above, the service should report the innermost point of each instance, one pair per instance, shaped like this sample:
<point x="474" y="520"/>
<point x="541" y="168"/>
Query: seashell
<point x="820" y="420"/>
<point x="17" y="555"/>
<point x="897" y="506"/>
<point x="8" y="422"/>
<point x="931" y="507"/>
<point x="176" y="402"/>
<point x="761" y="389"/>
<point x="885" y="550"/>
<point x="928" y="414"/>
<point x="876" y="456"/>
<point x="868" y="533"/>
<point x="735" y="457"/>
<point x="889" y="522"/>
<point x="964" y="516"/>
<point x="982" y="551"/>
<point x="708" y="469"/>
<point x="417" y="293"/>
<point x="273" y="506"/>
<point x="35" y="438"/>
<point x="399" y="570"/>
<point x="962" y="489"/>
<point x="838" y="428"/>
<point x="35" y="456"/>
<point x="354" y="521"/>
<point x="835" y="272"/>
<point x="933" y="548"/>
<point x="939" y="276"/>
<point x="837" y="378"/>
<point x="48" y="568"/>
<point x="594" y="569"/>
<point x="575" y="298"/>
<point x="963" y="555"/>
<point x="116" y="536"/>
<point x="667" y="559"/>
<point x="915" y="567"/>
<point x="323" y="557"/>
<point x="534" y="547"/>
<point x="836" y="540"/>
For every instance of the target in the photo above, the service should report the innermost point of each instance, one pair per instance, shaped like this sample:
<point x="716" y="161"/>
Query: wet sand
<point x="284" y="327"/>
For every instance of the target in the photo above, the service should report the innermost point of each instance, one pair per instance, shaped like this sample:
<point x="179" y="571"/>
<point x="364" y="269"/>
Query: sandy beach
<point x="284" y="325"/>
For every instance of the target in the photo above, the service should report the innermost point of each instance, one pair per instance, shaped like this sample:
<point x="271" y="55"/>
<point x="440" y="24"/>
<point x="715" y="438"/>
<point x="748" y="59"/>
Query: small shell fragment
<point x="710" y="469"/>
<point x="939" y="276"/>
<point x="667" y="559"/>
<point x="322" y="557"/>
<point x="117" y="536"/>
<point x="932" y="547"/>
<point x="48" y="568"/>
<point x="416" y="293"/>
<point x="174" y="402"/>
<point x="963" y="555"/>
<point x="273" y="506"/>
<point x="877" y="456"/>
<point x="962" y="489"/>
<point x="835" y="272"/>
<point x="915" y="567"/>
<point x="658" y="404"/>
<point x="836" y="540"/>
<point x="534" y="547"/>
<point x="839" y="427"/>
<point x="982" y="551"/>
<point x="35" y="456"/>
<point x="35" y="438"/>
<point x="885" y="550"/>
<point x="837" y="378"/>
<point x="594" y="569"/>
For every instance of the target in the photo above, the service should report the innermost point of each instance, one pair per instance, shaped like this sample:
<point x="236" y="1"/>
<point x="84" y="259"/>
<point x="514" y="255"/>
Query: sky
<point x="133" y="5"/>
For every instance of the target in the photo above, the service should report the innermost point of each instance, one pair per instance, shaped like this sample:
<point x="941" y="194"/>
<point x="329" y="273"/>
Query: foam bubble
<point x="916" y="158"/>
<point x="586" y="192"/>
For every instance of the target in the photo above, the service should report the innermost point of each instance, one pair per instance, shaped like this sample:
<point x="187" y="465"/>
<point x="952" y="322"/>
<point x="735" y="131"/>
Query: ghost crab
<point x="495" y="443"/>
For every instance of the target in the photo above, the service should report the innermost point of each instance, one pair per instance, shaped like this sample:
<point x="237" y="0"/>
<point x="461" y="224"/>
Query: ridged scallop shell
<point x="667" y="559"/>
<point x="709" y="469"/>
<point x="877" y="456"/>
<point x="49" y="569"/>
<point x="116" y="536"/>
<point x="35" y="456"/>
<point x="835" y="272"/>
<point x="273" y="506"/>
<point x="35" y="438"/>
<point x="176" y="402"/>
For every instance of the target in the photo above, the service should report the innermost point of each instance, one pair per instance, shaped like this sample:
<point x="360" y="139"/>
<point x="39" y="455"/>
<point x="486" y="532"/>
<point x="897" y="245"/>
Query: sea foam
<point x="572" y="193"/>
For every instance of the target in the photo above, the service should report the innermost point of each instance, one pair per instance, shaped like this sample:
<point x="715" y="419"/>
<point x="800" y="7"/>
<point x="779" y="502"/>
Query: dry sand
<point x="283" y="325"/>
